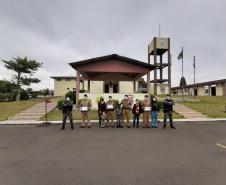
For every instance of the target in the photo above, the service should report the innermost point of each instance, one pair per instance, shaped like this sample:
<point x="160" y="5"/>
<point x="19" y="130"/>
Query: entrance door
<point x="106" y="87"/>
<point x="196" y="92"/>
<point x="213" y="91"/>
<point x="111" y="87"/>
<point x="115" y="88"/>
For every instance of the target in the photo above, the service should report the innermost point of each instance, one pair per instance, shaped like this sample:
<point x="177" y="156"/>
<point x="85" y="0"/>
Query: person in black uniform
<point x="67" y="112"/>
<point x="168" y="111"/>
<point x="101" y="110"/>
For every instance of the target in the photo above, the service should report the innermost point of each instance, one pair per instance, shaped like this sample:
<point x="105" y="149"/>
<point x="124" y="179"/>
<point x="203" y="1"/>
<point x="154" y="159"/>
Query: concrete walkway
<point x="34" y="113"/>
<point x="187" y="112"/>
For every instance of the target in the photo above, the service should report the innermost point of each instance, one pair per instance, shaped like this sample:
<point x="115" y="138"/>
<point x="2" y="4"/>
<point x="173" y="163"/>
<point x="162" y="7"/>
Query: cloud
<point x="58" y="32"/>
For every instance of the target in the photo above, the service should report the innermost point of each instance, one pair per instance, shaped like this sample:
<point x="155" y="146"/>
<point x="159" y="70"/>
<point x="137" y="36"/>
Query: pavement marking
<point x="220" y="145"/>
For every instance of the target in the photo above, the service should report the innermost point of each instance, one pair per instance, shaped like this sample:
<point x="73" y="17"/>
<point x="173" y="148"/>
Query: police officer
<point x="67" y="112"/>
<point x="126" y="106"/>
<point x="85" y="107"/>
<point x="146" y="105"/>
<point x="168" y="111"/>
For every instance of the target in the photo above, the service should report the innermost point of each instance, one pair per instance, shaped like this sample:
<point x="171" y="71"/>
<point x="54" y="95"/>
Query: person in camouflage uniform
<point x="118" y="115"/>
<point x="168" y="112"/>
<point x="67" y="112"/>
<point x="110" y="111"/>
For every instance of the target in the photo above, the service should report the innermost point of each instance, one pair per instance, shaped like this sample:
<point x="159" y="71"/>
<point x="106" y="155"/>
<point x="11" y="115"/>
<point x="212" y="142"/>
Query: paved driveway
<point x="34" y="155"/>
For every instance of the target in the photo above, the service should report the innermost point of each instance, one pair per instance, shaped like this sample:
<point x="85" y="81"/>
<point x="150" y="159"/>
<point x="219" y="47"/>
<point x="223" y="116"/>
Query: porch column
<point x="77" y="88"/>
<point x="83" y="85"/>
<point x="88" y="86"/>
<point x="148" y="84"/>
<point x="134" y="86"/>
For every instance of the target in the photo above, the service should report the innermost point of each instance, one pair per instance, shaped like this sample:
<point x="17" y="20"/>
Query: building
<point x="113" y="75"/>
<point x="210" y="88"/>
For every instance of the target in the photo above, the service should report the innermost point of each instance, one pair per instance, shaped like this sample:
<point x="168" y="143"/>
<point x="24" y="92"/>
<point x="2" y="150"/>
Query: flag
<point x="194" y="62"/>
<point x="180" y="56"/>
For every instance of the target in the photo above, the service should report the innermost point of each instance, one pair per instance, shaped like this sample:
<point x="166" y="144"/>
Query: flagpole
<point x="194" y="73"/>
<point x="182" y="73"/>
<point x="182" y="62"/>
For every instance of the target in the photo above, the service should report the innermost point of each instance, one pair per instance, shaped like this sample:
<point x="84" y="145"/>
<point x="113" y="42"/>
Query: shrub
<point x="115" y="102"/>
<point x="72" y="96"/>
<point x="11" y="96"/>
<point x="24" y="95"/>
<point x="34" y="94"/>
<point x="2" y="97"/>
<point x="60" y="104"/>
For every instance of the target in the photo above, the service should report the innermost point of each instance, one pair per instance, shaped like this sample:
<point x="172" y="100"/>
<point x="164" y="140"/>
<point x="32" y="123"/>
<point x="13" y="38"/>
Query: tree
<point x="24" y="68"/>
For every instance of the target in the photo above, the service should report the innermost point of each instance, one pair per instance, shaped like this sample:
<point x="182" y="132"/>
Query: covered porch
<point x="112" y="70"/>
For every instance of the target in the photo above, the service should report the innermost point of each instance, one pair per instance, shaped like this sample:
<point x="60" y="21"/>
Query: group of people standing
<point x="110" y="110"/>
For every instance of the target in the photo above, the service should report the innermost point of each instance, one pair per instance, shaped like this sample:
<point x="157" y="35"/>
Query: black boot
<point x="164" y="126"/>
<point x="171" y="126"/>
<point x="62" y="128"/>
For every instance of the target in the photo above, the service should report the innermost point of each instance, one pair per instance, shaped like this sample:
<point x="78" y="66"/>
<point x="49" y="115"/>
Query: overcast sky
<point x="62" y="31"/>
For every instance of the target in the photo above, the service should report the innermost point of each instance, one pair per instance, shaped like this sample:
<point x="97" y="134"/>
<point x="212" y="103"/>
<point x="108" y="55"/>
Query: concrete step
<point x="35" y="112"/>
<point x="187" y="112"/>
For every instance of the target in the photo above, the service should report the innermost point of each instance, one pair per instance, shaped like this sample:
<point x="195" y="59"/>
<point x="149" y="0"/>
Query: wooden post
<point x="169" y="66"/>
<point x="148" y="76"/>
<point x="88" y="86"/>
<point x="148" y="83"/>
<point x="134" y="86"/>
<point x="155" y="70"/>
<point x="77" y="88"/>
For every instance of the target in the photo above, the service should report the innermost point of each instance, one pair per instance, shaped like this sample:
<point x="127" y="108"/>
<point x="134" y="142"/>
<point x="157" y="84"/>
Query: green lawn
<point x="212" y="106"/>
<point x="56" y="115"/>
<point x="8" y="109"/>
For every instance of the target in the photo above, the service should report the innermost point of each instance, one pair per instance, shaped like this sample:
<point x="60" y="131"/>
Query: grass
<point x="212" y="106"/>
<point x="56" y="115"/>
<point x="8" y="109"/>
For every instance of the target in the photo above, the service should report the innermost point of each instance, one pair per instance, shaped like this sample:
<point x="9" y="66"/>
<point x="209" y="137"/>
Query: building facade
<point x="210" y="88"/>
<point x="113" y="75"/>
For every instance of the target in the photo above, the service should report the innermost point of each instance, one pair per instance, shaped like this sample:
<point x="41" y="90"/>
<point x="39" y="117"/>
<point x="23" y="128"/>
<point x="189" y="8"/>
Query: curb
<point x="34" y="122"/>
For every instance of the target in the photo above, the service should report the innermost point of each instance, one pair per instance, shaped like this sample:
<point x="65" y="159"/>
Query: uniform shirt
<point x="86" y="103"/>
<point x="109" y="102"/>
<point x="168" y="106"/>
<point x="126" y="104"/>
<point x="67" y="106"/>
<point x="146" y="103"/>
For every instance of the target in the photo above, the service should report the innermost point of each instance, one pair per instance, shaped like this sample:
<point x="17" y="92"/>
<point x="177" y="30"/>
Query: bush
<point x="24" y="95"/>
<point x="72" y="96"/>
<point x="161" y="105"/>
<point x="11" y="96"/>
<point x="34" y="94"/>
<point x="60" y="104"/>
<point x="2" y="97"/>
<point x="115" y="102"/>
